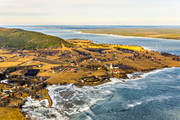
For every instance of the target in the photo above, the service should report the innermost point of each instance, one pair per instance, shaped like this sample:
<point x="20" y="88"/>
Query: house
<point x="2" y="58"/>
<point x="6" y="91"/>
<point x="117" y="71"/>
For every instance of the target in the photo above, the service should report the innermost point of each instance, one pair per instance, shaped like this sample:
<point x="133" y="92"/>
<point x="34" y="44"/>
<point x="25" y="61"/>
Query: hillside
<point x="21" y="39"/>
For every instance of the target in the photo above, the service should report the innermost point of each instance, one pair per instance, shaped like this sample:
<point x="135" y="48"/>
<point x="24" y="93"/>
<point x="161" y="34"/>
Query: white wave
<point x="150" y="49"/>
<point x="88" y="118"/>
<point x="134" y="104"/>
<point x="175" y="87"/>
<point x="69" y="99"/>
<point x="4" y="81"/>
<point x="114" y="81"/>
<point x="72" y="99"/>
<point x="175" y="113"/>
<point x="134" y="77"/>
<point x="140" y="75"/>
<point x="32" y="102"/>
<point x="178" y="76"/>
<point x="158" y="98"/>
<point x="39" y="110"/>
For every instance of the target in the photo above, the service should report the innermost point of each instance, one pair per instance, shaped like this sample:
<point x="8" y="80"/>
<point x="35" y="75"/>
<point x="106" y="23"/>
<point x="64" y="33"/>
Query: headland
<point x="26" y="72"/>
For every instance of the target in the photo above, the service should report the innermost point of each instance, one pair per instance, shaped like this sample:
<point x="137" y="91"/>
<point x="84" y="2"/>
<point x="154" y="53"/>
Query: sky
<point x="89" y="12"/>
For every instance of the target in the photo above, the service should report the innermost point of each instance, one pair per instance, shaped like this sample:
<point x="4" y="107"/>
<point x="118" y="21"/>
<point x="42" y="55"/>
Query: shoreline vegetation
<point x="164" y="33"/>
<point x="26" y="72"/>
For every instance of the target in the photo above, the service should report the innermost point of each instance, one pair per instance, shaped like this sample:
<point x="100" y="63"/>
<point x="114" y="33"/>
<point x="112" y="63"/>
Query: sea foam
<point x="69" y="99"/>
<point x="146" y="100"/>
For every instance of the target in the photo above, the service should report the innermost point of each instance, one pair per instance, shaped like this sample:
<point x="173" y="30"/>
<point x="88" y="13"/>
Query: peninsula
<point x="165" y="33"/>
<point x="39" y="60"/>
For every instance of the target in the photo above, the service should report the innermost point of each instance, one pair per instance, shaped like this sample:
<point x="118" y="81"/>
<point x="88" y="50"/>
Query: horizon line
<point x="89" y="25"/>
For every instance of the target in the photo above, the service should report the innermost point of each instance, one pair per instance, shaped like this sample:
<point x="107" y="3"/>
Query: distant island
<point x="165" y="33"/>
<point x="31" y="61"/>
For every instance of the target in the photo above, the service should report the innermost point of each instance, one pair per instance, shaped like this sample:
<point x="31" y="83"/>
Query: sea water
<point x="155" y="96"/>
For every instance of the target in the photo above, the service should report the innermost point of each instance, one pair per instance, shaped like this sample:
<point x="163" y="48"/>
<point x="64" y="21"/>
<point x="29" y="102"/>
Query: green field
<point x="21" y="39"/>
<point x="166" y="33"/>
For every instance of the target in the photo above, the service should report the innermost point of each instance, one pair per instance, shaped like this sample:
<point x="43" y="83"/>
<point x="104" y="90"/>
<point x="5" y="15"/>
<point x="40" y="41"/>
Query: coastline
<point x="125" y="36"/>
<point x="133" y="54"/>
<point x="87" y="65"/>
<point x="69" y="87"/>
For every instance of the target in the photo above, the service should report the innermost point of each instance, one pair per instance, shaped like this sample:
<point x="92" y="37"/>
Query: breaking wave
<point x="146" y="100"/>
<point x="69" y="99"/>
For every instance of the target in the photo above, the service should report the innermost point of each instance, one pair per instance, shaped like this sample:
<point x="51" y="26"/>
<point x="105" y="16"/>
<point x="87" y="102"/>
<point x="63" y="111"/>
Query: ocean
<point x="153" y="96"/>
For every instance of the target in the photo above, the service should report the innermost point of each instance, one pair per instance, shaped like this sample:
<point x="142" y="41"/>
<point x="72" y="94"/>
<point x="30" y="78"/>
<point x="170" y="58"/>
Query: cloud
<point x="90" y="11"/>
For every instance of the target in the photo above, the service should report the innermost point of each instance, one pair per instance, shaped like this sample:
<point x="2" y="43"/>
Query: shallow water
<point x="154" y="97"/>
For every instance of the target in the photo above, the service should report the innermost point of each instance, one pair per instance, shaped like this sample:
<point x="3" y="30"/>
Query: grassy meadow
<point x="21" y="39"/>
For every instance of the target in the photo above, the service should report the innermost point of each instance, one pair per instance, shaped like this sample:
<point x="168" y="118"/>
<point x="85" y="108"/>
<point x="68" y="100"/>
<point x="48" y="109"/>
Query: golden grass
<point x="98" y="73"/>
<point x="7" y="55"/>
<point x="110" y="53"/>
<point x="48" y="66"/>
<point x="135" y="48"/>
<point x="18" y="72"/>
<point x="31" y="63"/>
<point x="9" y="64"/>
<point x="3" y="51"/>
<point x="66" y="77"/>
<point x="89" y="44"/>
<point x="7" y="113"/>
<point x="47" y="73"/>
<point x="25" y="59"/>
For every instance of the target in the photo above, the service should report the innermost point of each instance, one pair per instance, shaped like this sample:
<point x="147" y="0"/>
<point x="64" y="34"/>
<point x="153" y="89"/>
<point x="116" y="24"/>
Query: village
<point x="25" y="73"/>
